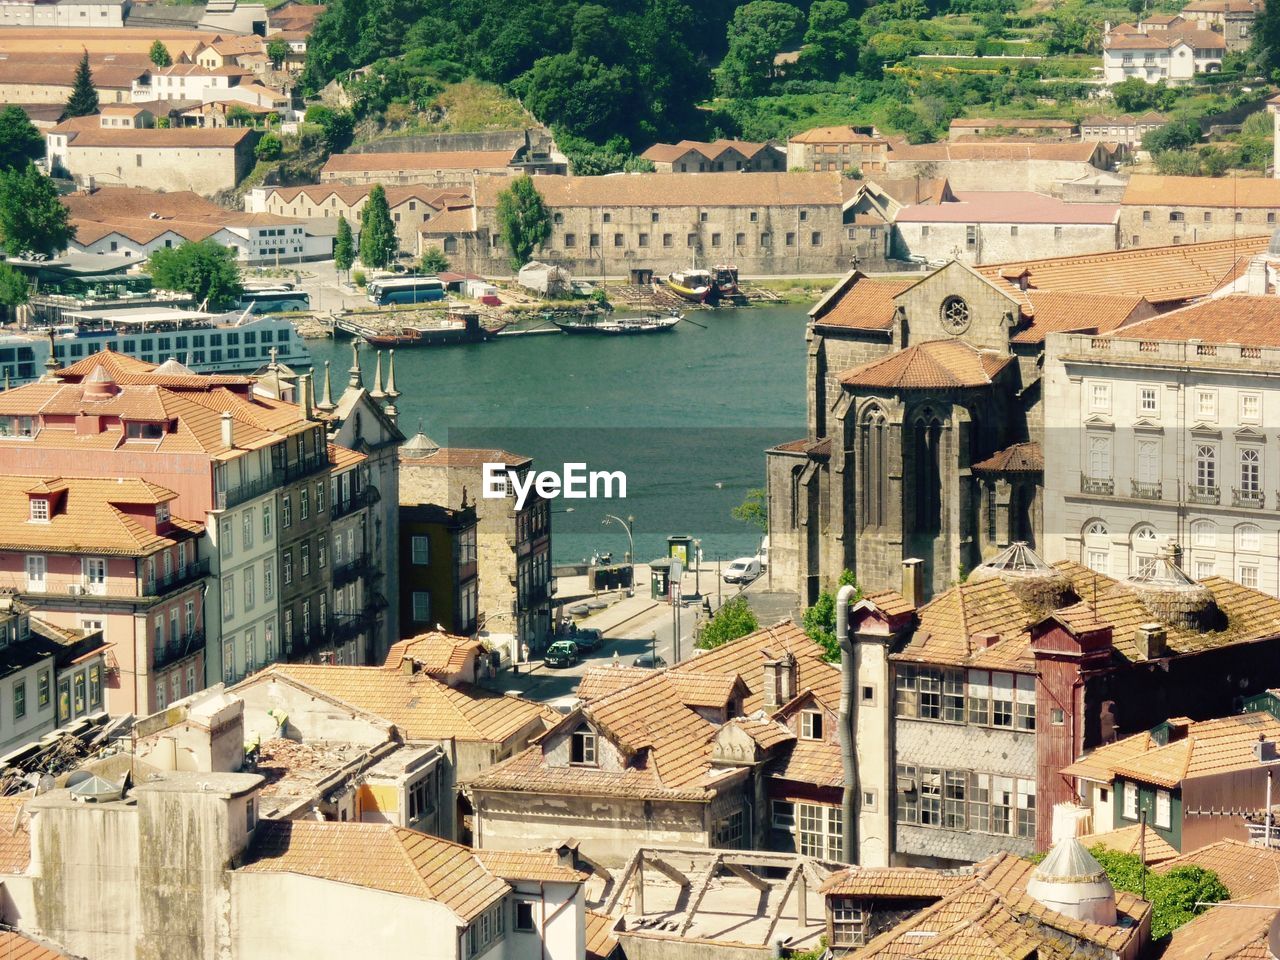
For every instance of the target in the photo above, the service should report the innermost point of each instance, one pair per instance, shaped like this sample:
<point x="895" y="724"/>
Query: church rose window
<point x="955" y="315"/>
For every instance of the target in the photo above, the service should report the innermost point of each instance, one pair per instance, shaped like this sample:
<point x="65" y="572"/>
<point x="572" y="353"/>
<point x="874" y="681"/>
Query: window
<point x="228" y="596"/>
<point x="523" y="917"/>
<point x="1247" y="575"/>
<point x="286" y="512"/>
<point x="1251" y="470"/>
<point x="1204" y="533"/>
<point x="929" y="693"/>
<point x="667" y="240"/>
<point x="582" y="749"/>
<point x="570" y="241"/>
<point x="1206" y="466"/>
<point x="790" y="239"/>
<point x="1146" y="216"/>
<point x="1207" y="405"/>
<point x="848" y="924"/>
<point x="246" y="529"/>
<point x="1130" y="801"/>
<point x="304" y="559"/>
<point x="268" y="579"/>
<point x="642" y="240"/>
<point x="617" y="239"/>
<point x="19" y="700"/>
<point x="320" y="552"/>
<point x="36" y="570"/>
<point x="1100" y="396"/>
<point x="1204" y="569"/>
<point x="1248" y="538"/>
<point x="304" y="503"/>
<point x="1164" y="809"/>
<point x="811" y="724"/>
<point x="249" y="599"/>
<point x="608" y="217"/>
<point x="1099" y="466"/>
<point x="225" y="530"/>
<point x="42" y="688"/>
<point x="715" y="239"/>
<point x="819" y="830"/>
<point x="1250" y="408"/>
<point x="1148" y="401"/>
<point x="266" y="521"/>
<point x="815" y="238"/>
<point x="421" y="551"/>
<point x="286" y="568"/>
<point x="93" y="572"/>
<point x="421" y="606"/>
<point x="728" y="831"/>
<point x="95" y="688"/>
<point x="1176" y="217"/>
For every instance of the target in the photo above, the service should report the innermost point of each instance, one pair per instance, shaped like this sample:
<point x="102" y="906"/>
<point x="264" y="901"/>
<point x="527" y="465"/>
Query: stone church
<point x="924" y="425"/>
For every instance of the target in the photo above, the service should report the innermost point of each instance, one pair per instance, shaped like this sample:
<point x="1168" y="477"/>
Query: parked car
<point x="587" y="639"/>
<point x="742" y="570"/>
<point x="649" y="661"/>
<point x="562" y="653"/>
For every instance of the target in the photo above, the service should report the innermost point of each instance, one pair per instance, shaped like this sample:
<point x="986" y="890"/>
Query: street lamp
<point x="626" y="525"/>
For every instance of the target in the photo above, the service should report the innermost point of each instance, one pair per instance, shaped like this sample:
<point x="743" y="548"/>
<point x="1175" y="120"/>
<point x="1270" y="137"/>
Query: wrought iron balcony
<point x="1203" y="493"/>
<point x="234" y="496"/>
<point x="1248" y="498"/>
<point x="345" y="573"/>
<point x="178" y="649"/>
<point x="1103" y="486"/>
<point x="1146" y="491"/>
<point x="180" y="577"/>
<point x="365" y="497"/>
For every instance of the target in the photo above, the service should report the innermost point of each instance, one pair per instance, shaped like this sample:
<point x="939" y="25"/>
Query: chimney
<point x="985" y="640"/>
<point x="913" y="582"/>
<point x="1152" y="640"/>
<point x="228" y="430"/>
<point x="1256" y="278"/>
<point x="780" y="681"/>
<point x="304" y="396"/>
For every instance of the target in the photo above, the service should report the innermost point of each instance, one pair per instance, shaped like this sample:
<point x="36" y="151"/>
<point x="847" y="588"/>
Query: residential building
<point x="350" y="555"/>
<point x="1126" y="128"/>
<point x="1190" y="783"/>
<point x="135" y="222"/>
<point x="204" y="160"/>
<point x="991" y="164"/>
<point x="1007" y="126"/>
<point x="869" y="214"/>
<point x="838" y="148"/>
<point x="411" y="207"/>
<point x="446" y="169"/>
<point x="98" y="14"/>
<point x="1096" y="187"/>
<point x="888" y="357"/>
<point x="451" y="659"/>
<point x="1159" y="210"/>
<point x="693" y="156"/>
<point x="1233" y="19"/>
<point x="193" y="81"/>
<point x="1004" y="680"/>
<point x="438" y="552"/>
<point x="108" y="556"/>
<point x="771" y="223"/>
<point x="228" y="52"/>
<point x="1159" y="436"/>
<point x="994" y="226"/>
<point x="49" y="78"/>
<point x="513" y="546"/>
<point x="1160" y="49"/>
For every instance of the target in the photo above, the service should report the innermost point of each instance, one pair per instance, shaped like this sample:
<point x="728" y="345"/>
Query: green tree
<point x="759" y="31"/>
<point x="336" y="126"/>
<point x="84" y="96"/>
<point x="32" y="218"/>
<point x="1178" y="134"/>
<point x="578" y="94"/>
<point x="268" y="148"/>
<point x="239" y="116"/>
<point x="20" y="141"/>
<point x="205" y="269"/>
<point x="277" y="52"/>
<point x="733" y="620"/>
<point x="14" y="289"/>
<point x="378" y="241"/>
<point x="344" y="247"/>
<point x="1173" y="895"/>
<point x="754" y="509"/>
<point x="595" y="34"/>
<point x="819" y="621"/>
<point x="1133" y="94"/>
<point x="831" y="41"/>
<point x="1178" y="163"/>
<point x="1266" y="38"/>
<point x="523" y="220"/>
<point x="159" y="54"/>
<point x="433" y="261"/>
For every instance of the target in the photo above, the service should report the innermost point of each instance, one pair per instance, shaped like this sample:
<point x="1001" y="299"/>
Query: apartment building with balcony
<point x="1158" y="434"/>
<point x="108" y="556"/>
<point x="441" y="581"/>
<point x="353" y="570"/>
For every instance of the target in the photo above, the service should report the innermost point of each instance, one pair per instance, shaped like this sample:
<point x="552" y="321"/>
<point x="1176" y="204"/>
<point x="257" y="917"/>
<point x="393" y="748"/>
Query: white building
<point x="1155" y="51"/>
<point x="1157" y="434"/>
<point x="998" y="226"/>
<point x="64" y="13"/>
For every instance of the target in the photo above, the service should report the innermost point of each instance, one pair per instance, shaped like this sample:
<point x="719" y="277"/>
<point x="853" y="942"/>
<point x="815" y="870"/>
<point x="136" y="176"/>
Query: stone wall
<point x="1000" y="242"/>
<point x="205" y="170"/>
<point x="1151" y="226"/>
<point x="1035" y="175"/>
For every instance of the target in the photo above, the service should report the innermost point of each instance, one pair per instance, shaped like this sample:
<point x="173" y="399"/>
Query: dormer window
<point x="39" y="509"/>
<point x="811" y="725"/>
<point x="162" y="513"/>
<point x="583" y="748"/>
<point x="143" y="430"/>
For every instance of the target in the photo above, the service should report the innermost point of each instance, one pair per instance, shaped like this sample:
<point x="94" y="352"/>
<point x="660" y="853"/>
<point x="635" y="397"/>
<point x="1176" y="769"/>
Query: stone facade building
<point x="992" y="164"/>
<point x="693" y="156"/>
<point x="1160" y="210"/>
<point x="444" y="169"/>
<point x="925" y="420"/>
<point x="841" y="149"/>
<point x="1003" y="126"/>
<point x="1127" y="128"/>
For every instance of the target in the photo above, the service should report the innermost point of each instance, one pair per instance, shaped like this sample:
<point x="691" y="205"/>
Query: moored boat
<point x="619" y="326"/>
<point x="456" y="327"/>
<point x="693" y="285"/>
<point x="726" y="279"/>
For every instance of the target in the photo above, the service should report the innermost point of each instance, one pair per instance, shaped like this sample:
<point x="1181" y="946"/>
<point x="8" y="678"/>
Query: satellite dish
<point x="80" y="776"/>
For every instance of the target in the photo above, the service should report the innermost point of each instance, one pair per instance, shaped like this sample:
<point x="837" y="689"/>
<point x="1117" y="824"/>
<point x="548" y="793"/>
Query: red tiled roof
<point x="937" y="364"/>
<point x="1011" y="206"/>
<point x="866" y="303"/>
<point x="1018" y="458"/>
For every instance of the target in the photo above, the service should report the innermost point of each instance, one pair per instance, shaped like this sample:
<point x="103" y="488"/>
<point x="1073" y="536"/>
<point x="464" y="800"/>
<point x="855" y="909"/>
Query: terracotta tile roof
<point x="667" y="152"/>
<point x="906" y="882"/>
<point x="746" y="656"/>
<point x="99" y="41"/>
<point x="907" y="190"/>
<point x="835" y="135"/>
<point x="380" y="857"/>
<point x="1051" y="311"/>
<point x="87" y="517"/>
<point x="1012" y="206"/>
<point x="436" y="653"/>
<point x="1226" y="932"/>
<point x="466" y="457"/>
<point x="815" y="449"/>
<point x="1251" y="321"/>
<point x="20" y="946"/>
<point x="890" y="602"/>
<point x="866" y="303"/>
<point x="601" y="939"/>
<point x="461" y="220"/>
<point x="422" y="707"/>
<point x="1226" y="192"/>
<point x="538" y="865"/>
<point x="1099" y="763"/>
<point x="767" y="733"/>
<point x="1018" y="458"/>
<point x="706" y="690"/>
<point x="1130" y="840"/>
<point x="340" y="163"/>
<point x="1208" y="748"/>
<point x="1126" y="119"/>
<point x="15" y="837"/>
<point x="937" y="364"/>
<point x="1159" y="274"/>
<point x="672" y="190"/>
<point x="600" y="680"/>
<point x="810" y="762"/>
<point x="344" y="458"/>
<point x="349" y="195"/>
<point x="1246" y="870"/>
<point x="106" y="76"/>
<point x="154" y="138"/>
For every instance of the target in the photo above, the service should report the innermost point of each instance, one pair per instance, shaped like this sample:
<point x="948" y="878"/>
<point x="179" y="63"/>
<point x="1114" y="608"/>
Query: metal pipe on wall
<point x="848" y="804"/>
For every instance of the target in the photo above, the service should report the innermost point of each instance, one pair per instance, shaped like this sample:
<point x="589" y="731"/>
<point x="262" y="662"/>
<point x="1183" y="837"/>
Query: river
<point x="685" y="415"/>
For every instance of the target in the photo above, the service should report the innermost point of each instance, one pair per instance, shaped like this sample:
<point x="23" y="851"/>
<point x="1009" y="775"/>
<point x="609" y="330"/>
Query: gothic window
<point x="955" y="315"/>
<point x="927" y="437"/>
<point x="874" y="468"/>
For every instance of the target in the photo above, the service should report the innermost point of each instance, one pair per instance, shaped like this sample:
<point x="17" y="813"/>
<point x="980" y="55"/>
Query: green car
<point x="562" y="653"/>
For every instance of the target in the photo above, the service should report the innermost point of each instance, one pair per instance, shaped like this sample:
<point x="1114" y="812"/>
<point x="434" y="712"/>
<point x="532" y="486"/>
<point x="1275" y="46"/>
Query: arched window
<point x="926" y="463"/>
<point x="1096" y="549"/>
<point x="874" y="473"/>
<point x="1095" y="528"/>
<point x="1204" y="533"/>
<point x="1249" y="538"/>
<point x="1143" y="543"/>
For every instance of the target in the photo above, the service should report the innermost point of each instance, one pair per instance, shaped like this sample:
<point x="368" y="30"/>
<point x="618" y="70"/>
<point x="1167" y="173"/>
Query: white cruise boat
<point x="204" y="342"/>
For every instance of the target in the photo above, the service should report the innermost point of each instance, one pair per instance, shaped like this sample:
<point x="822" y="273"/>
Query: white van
<point x="742" y="570"/>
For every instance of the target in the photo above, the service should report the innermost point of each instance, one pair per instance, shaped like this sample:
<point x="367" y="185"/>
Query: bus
<point x="273" y="300"/>
<point x="406" y="290"/>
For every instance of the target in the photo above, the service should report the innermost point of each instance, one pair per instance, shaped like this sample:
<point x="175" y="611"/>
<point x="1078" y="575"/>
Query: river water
<point x="685" y="415"/>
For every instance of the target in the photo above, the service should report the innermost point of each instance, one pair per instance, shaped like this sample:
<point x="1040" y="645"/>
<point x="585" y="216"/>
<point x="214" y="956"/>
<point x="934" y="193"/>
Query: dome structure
<point x="1072" y="882"/>
<point x="1036" y="583"/>
<point x="1173" y="597"/>
<point x="419" y="446"/>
